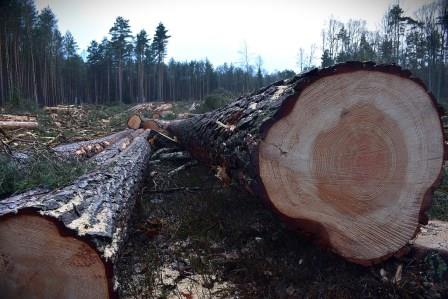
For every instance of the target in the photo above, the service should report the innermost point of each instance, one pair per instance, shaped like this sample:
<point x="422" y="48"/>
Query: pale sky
<point x="275" y="30"/>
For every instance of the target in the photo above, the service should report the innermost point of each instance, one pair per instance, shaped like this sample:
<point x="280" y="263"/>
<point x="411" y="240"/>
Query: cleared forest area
<point x="192" y="235"/>
<point x="127" y="174"/>
<point x="40" y="64"/>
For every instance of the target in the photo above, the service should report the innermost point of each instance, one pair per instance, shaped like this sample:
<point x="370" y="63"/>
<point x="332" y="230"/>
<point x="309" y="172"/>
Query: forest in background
<point x="39" y="64"/>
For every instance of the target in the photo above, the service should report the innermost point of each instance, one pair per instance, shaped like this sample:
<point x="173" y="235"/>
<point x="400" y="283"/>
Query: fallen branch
<point x="175" y="156"/>
<point x="182" y="168"/>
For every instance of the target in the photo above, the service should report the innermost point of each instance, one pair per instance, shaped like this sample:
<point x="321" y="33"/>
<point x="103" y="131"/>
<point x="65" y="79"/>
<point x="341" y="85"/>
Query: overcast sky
<point x="273" y="29"/>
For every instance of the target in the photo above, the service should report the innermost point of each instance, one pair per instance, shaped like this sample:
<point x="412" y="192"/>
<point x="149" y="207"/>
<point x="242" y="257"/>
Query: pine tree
<point x="158" y="45"/>
<point x="94" y="60"/>
<point x="365" y="51"/>
<point x="326" y="59"/>
<point x="120" y="34"/>
<point x="71" y="66"/>
<point x="141" y="45"/>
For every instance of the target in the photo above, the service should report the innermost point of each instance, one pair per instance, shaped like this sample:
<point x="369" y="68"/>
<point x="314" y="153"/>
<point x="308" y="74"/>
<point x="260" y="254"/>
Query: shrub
<point x="215" y="100"/>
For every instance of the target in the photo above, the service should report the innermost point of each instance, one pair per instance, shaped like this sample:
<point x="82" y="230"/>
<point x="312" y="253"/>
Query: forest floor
<point x="192" y="237"/>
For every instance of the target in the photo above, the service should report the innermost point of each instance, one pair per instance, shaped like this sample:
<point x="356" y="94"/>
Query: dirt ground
<point x="192" y="237"/>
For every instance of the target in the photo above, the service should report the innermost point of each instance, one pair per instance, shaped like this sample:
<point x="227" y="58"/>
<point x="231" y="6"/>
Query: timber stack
<point x="9" y="121"/>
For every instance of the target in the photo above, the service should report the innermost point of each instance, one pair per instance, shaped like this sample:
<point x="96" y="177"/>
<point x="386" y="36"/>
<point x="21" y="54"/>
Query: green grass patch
<point x="439" y="206"/>
<point x="43" y="169"/>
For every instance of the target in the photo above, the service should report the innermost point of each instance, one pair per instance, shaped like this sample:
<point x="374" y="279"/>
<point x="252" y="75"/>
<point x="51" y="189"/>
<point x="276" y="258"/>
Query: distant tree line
<point x="39" y="64"/>
<point x="418" y="43"/>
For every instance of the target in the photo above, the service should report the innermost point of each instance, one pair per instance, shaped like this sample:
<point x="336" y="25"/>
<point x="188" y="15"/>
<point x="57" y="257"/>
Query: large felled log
<point x="64" y="243"/>
<point x="348" y="153"/>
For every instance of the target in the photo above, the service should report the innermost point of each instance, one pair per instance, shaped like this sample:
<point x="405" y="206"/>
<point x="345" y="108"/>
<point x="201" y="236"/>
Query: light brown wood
<point x="36" y="261"/>
<point x="163" y="107"/>
<point x="134" y="121"/>
<point x="356" y="154"/>
<point x="18" y="124"/>
<point x="150" y="124"/>
<point x="62" y="108"/>
<point x="433" y="236"/>
<point x="14" y="117"/>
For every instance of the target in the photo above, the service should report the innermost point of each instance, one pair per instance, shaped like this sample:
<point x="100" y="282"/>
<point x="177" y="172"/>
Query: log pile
<point x="62" y="108"/>
<point x="8" y="121"/>
<point x="153" y="109"/>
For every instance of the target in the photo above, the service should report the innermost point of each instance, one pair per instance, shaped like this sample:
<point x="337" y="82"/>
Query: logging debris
<point x="191" y="235"/>
<point x="64" y="124"/>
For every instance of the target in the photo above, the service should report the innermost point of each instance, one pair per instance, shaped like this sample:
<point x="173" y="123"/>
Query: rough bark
<point x="348" y="154"/>
<point x="83" y="224"/>
<point x="92" y="147"/>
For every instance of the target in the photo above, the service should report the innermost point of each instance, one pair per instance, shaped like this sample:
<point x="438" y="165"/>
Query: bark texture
<point x="89" y="148"/>
<point x="96" y="208"/>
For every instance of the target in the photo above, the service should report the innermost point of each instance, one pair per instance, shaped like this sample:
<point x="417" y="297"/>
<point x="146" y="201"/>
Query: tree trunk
<point x="64" y="243"/>
<point x="140" y="81"/>
<point x="33" y="75"/>
<point x="92" y="147"/>
<point x="120" y="81"/>
<point x="349" y="154"/>
<point x="108" y="84"/>
<point x="2" y="98"/>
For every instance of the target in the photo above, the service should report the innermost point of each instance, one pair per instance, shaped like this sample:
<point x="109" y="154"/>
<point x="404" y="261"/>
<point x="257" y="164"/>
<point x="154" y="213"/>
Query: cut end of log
<point x="151" y="124"/>
<point x="36" y="261"/>
<point x="134" y="122"/>
<point x="356" y="154"/>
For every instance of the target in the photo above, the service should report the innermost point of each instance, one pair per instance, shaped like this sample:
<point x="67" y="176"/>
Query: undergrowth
<point x="42" y="169"/>
<point x="439" y="205"/>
